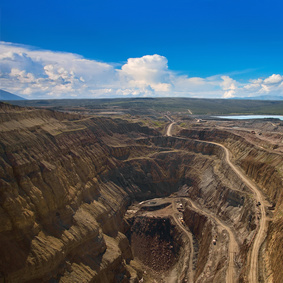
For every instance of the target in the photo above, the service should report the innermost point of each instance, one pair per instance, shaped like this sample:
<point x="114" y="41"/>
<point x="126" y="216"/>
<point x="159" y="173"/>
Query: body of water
<point x="243" y="117"/>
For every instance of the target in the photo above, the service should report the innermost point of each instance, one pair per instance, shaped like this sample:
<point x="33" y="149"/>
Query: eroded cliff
<point x="66" y="182"/>
<point x="263" y="163"/>
<point x="59" y="216"/>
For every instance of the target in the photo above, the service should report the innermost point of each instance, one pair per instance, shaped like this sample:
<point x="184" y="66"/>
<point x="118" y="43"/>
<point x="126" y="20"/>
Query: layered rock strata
<point x="66" y="182"/>
<point x="265" y="167"/>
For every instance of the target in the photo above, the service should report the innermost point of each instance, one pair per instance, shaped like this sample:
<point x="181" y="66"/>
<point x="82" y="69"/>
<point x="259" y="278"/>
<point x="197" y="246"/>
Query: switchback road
<point x="253" y="269"/>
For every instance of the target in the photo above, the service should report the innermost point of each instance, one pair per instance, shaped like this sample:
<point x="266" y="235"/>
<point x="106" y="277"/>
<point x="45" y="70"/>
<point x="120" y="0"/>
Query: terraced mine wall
<point x="205" y="230"/>
<point x="59" y="219"/>
<point x="212" y="181"/>
<point x="66" y="182"/>
<point x="265" y="167"/>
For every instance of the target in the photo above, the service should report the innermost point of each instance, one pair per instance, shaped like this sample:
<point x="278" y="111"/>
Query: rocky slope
<point x="264" y="165"/>
<point x="66" y="182"/>
<point x="59" y="216"/>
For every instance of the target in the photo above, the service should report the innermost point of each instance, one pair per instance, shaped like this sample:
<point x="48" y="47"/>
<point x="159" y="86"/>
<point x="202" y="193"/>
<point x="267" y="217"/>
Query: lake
<point x="243" y="117"/>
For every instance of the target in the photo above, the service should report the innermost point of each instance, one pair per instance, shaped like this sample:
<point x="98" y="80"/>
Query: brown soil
<point x="152" y="243"/>
<point x="195" y="206"/>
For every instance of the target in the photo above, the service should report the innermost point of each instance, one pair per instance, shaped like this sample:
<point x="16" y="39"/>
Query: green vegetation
<point x="148" y="106"/>
<point x="158" y="123"/>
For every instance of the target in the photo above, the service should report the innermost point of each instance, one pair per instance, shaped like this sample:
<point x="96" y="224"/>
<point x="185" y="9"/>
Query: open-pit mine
<point x="93" y="197"/>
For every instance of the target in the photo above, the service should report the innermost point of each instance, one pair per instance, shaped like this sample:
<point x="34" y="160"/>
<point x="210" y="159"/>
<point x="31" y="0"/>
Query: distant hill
<point x="145" y="106"/>
<point x="5" y="95"/>
<point x="262" y="97"/>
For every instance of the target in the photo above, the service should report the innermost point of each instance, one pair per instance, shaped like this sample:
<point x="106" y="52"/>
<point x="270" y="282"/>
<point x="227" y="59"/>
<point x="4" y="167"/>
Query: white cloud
<point x="272" y="85"/>
<point x="257" y="81"/>
<point x="229" y="85"/>
<point x="150" y="71"/>
<point x="35" y="73"/>
<point x="229" y="93"/>
<point x="274" y="79"/>
<point x="43" y="73"/>
<point x="252" y="87"/>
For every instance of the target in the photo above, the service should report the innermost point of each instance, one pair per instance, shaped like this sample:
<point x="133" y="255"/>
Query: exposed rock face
<point x="67" y="180"/>
<point x="152" y="241"/>
<point x="204" y="230"/>
<point x="58" y="213"/>
<point x="265" y="167"/>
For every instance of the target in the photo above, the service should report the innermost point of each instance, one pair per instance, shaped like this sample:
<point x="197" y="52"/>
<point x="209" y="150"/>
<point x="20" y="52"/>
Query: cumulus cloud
<point x="149" y="69"/>
<point x="146" y="75"/>
<point x="43" y="73"/>
<point x="35" y="73"/>
<point x="229" y="85"/>
<point x="272" y="85"/>
<point x="274" y="79"/>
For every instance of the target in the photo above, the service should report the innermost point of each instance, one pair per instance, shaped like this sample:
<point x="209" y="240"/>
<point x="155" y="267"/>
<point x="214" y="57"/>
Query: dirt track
<point x="259" y="238"/>
<point x="253" y="273"/>
<point x="233" y="245"/>
<point x="253" y="268"/>
<point x="189" y="235"/>
<point x="169" y="129"/>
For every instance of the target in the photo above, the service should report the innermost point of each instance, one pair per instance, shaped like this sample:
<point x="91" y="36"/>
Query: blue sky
<point x="210" y="48"/>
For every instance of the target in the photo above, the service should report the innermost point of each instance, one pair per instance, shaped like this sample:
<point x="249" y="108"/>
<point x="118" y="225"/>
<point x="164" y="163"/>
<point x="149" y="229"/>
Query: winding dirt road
<point x="169" y="129"/>
<point x="259" y="238"/>
<point x="253" y="273"/>
<point x="189" y="235"/>
<point x="233" y="247"/>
